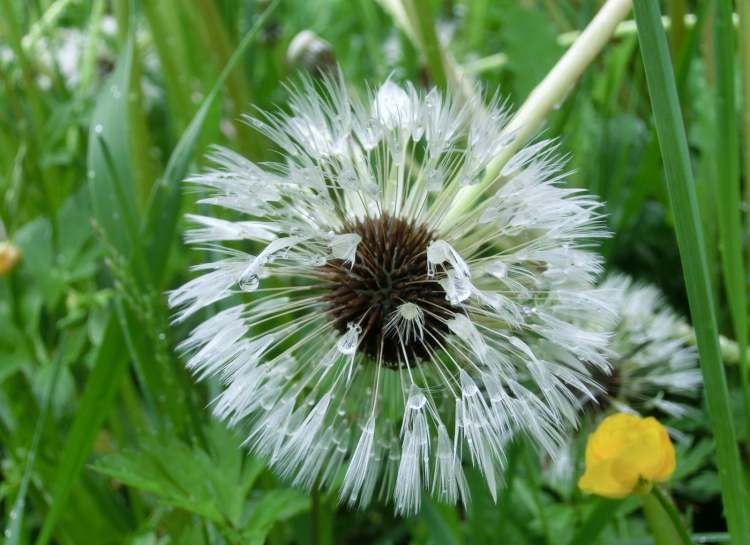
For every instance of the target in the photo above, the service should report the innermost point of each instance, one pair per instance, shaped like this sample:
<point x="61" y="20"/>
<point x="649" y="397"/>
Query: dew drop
<point x="98" y="128"/>
<point x="348" y="342"/>
<point x="249" y="281"/>
<point x="416" y="401"/>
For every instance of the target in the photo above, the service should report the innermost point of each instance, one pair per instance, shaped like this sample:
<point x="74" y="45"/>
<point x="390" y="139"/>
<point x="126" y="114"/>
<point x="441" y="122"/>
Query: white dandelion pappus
<point x="395" y="347"/>
<point x="654" y="368"/>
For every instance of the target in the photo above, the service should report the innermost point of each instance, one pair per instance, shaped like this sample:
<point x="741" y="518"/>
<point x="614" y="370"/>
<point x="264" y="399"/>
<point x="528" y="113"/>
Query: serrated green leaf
<point x="270" y="508"/>
<point x="147" y="470"/>
<point x="211" y="484"/>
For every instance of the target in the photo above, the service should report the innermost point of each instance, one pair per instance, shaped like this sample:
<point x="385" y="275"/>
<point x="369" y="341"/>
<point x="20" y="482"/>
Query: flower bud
<point x="10" y="255"/>
<point x="625" y="455"/>
<point x="310" y="51"/>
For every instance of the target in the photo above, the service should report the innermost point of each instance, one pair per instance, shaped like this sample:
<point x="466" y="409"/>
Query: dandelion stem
<point x="545" y="96"/>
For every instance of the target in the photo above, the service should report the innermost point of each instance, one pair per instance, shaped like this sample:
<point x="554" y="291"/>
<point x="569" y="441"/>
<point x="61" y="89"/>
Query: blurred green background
<point x="104" y="437"/>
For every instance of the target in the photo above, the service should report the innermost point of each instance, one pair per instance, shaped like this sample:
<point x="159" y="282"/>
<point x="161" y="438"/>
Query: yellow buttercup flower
<point x="625" y="455"/>
<point x="10" y="255"/>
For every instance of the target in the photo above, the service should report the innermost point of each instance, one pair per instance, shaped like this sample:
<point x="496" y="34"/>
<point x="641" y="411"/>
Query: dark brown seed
<point x="390" y="269"/>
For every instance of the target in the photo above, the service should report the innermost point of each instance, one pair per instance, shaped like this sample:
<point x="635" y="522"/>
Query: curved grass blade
<point x="684" y="203"/>
<point x="157" y="231"/>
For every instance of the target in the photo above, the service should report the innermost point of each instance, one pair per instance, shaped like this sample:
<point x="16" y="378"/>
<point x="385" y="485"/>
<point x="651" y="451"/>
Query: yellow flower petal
<point x="626" y="453"/>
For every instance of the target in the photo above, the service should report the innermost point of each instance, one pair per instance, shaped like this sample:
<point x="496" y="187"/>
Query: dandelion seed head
<point x="384" y="340"/>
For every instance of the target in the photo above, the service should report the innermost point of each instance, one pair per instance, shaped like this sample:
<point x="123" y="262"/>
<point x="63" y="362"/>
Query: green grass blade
<point x="102" y="385"/>
<point x="681" y="187"/>
<point x="14" y="528"/>
<point x="157" y="232"/>
<point x="743" y="7"/>
<point x="421" y="15"/>
<point x="727" y="186"/>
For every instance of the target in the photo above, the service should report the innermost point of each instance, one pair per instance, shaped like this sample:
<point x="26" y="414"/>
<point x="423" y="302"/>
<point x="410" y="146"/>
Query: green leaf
<point x="681" y="186"/>
<point x="213" y="484"/>
<point x="97" y="400"/>
<point x="268" y="509"/>
<point x="109" y="172"/>
<point x="529" y="59"/>
<point x="175" y="473"/>
<point x="442" y="522"/>
<point x="600" y="516"/>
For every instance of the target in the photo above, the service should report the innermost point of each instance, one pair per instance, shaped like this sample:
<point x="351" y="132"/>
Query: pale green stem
<point x="548" y="94"/>
<point x="628" y="28"/>
<point x="730" y="352"/>
<point x="485" y="64"/>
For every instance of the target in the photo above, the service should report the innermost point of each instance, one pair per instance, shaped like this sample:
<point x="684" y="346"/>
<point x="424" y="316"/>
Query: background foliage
<point x="105" y="106"/>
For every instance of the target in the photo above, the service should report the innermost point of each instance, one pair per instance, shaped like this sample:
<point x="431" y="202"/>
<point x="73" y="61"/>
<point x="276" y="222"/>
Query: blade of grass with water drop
<point x="681" y="187"/>
<point x="110" y="176"/>
<point x="157" y="231"/>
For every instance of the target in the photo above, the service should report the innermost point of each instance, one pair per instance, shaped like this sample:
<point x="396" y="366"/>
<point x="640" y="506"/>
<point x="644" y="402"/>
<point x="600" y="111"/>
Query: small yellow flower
<point x="10" y="255"/>
<point x="625" y="455"/>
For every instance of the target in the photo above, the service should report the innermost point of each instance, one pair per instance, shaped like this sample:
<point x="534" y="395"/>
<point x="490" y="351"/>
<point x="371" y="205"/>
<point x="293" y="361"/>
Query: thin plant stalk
<point x="684" y="203"/>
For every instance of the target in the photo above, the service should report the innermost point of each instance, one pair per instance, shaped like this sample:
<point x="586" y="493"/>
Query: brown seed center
<point x="390" y="269"/>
